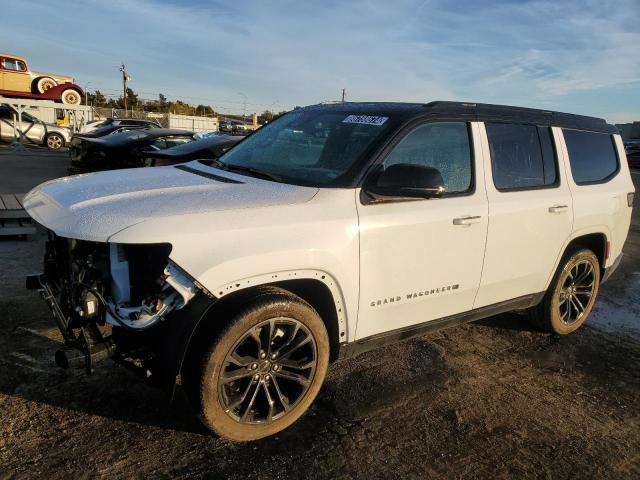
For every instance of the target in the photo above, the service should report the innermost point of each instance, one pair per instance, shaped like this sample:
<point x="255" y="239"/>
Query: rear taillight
<point x="630" y="199"/>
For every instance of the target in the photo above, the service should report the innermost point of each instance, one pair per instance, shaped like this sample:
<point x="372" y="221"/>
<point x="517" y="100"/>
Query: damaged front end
<point x="106" y="298"/>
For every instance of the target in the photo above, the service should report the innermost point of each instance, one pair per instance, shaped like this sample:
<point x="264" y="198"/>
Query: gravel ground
<point x="492" y="399"/>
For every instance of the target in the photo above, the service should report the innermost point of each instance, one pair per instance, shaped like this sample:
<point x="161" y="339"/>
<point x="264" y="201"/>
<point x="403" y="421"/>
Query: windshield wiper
<point x="253" y="171"/>
<point x="217" y="163"/>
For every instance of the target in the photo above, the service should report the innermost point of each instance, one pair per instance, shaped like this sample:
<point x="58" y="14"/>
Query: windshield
<point x="311" y="147"/>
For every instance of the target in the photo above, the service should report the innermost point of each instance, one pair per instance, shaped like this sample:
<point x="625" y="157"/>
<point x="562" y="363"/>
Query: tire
<point x="571" y="294"/>
<point x="45" y="83"/>
<point x="242" y="395"/>
<point x="71" y="96"/>
<point x="55" y="141"/>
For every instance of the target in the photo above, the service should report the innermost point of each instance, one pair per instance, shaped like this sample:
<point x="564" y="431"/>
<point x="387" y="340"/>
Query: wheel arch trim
<point x="602" y="230"/>
<point x="291" y="275"/>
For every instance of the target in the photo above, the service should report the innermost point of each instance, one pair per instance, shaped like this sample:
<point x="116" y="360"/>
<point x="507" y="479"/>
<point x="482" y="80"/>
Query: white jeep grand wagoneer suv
<point x="330" y="231"/>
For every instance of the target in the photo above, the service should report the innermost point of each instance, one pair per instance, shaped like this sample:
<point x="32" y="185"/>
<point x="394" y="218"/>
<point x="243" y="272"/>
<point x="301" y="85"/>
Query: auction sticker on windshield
<point x="365" y="119"/>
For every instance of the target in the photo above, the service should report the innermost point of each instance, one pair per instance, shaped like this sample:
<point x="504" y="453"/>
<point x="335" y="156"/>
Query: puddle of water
<point x="616" y="317"/>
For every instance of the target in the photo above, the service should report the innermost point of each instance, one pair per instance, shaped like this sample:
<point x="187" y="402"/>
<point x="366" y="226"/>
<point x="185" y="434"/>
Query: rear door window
<point x="592" y="156"/>
<point x="522" y="156"/>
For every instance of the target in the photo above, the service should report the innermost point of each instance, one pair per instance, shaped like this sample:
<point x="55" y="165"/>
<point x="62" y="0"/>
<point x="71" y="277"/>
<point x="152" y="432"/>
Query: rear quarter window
<point x="592" y="156"/>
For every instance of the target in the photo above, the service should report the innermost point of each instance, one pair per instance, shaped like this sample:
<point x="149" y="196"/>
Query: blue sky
<point x="579" y="56"/>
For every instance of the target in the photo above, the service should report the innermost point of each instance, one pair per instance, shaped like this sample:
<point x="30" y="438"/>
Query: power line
<point x="117" y="92"/>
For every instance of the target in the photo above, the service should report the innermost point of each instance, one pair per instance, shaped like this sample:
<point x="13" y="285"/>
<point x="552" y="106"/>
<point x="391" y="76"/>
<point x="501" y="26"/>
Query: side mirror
<point x="404" y="180"/>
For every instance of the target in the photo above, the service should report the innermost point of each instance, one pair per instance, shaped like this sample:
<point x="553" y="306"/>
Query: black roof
<point x="139" y="135"/>
<point x="133" y="121"/>
<point x="474" y="111"/>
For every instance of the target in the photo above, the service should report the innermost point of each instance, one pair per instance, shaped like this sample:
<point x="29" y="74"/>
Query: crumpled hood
<point x="97" y="205"/>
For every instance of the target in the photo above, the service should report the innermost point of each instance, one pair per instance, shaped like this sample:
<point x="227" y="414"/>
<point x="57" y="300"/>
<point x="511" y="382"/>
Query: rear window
<point x="592" y="156"/>
<point x="522" y="156"/>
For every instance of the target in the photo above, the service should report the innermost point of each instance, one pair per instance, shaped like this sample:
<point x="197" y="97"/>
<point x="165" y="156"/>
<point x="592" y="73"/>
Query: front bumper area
<point x="84" y="346"/>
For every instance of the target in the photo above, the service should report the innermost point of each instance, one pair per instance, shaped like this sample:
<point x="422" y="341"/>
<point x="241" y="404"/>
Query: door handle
<point x="467" y="220"/>
<point x="558" y="208"/>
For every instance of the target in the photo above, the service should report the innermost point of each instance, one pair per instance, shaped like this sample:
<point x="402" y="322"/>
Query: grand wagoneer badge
<point x="413" y="295"/>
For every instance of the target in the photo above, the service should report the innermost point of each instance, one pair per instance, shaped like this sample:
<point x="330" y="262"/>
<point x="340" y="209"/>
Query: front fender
<point x="55" y="93"/>
<point x="172" y="337"/>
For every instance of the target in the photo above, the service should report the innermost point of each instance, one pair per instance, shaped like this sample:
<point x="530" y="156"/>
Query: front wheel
<point x="571" y="295"/>
<point x="265" y="369"/>
<point x="55" y="141"/>
<point x="71" y="97"/>
<point x="45" y="83"/>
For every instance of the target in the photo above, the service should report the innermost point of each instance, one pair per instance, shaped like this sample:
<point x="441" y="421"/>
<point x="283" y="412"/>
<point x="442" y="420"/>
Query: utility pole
<point x="244" y="108"/>
<point x="343" y="92"/>
<point x="86" y="93"/>
<point x="125" y="79"/>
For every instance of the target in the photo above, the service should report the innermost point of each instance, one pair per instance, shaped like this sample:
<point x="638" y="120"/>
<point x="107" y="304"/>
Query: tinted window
<point x="522" y="156"/>
<point x="443" y="146"/>
<point x="592" y="156"/>
<point x="548" y="156"/>
<point x="128" y="135"/>
<point x="28" y="118"/>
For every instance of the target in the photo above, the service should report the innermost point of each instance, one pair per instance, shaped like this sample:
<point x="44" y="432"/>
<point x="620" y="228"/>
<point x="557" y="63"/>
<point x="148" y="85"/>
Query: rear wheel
<point x="45" y="83"/>
<point x="71" y="97"/>
<point x="264" y="370"/>
<point x="571" y="295"/>
<point x="55" y="141"/>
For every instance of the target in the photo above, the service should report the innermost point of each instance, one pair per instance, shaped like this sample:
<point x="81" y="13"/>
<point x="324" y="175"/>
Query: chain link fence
<point x="103" y="112"/>
<point x="166" y="120"/>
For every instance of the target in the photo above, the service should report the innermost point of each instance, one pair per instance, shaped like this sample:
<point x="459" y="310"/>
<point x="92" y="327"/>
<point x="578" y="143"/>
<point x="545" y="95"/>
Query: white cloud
<point x="535" y="53"/>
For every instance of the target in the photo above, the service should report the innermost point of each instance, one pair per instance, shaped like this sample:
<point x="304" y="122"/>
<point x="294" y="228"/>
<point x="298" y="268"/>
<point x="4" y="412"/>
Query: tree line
<point x="162" y="105"/>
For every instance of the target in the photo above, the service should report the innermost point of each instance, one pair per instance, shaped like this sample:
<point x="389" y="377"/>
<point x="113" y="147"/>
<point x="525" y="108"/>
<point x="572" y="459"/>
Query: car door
<point x="32" y="128"/>
<point x="422" y="259"/>
<point x="15" y="75"/>
<point x="530" y="210"/>
<point x="6" y="124"/>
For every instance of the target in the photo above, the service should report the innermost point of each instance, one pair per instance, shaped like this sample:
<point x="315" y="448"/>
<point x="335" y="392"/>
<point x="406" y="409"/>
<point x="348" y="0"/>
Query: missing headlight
<point x="145" y="285"/>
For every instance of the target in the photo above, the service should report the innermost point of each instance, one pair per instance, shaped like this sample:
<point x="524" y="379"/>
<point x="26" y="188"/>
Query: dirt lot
<point x="493" y="399"/>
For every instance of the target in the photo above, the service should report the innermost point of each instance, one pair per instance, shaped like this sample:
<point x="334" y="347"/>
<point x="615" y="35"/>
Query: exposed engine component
<point x="96" y="289"/>
<point x="120" y="286"/>
<point x="176" y="292"/>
